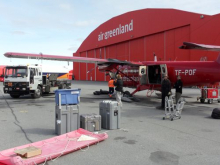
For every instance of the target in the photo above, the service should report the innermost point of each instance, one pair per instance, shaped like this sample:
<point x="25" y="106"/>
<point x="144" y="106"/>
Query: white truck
<point x="30" y="79"/>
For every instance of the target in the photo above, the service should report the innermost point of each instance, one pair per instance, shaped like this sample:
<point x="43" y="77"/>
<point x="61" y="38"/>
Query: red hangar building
<point x="137" y="35"/>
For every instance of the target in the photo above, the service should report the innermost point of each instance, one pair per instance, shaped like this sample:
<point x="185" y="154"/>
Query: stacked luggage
<point x="66" y="110"/>
<point x="108" y="118"/>
<point x="67" y="113"/>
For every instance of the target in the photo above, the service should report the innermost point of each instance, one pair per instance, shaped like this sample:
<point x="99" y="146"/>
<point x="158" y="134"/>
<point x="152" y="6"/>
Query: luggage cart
<point x="209" y="94"/>
<point x="173" y="111"/>
<point x="169" y="107"/>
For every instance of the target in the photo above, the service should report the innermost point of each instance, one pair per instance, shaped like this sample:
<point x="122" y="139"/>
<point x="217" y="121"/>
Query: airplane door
<point x="163" y="71"/>
<point x="143" y="75"/>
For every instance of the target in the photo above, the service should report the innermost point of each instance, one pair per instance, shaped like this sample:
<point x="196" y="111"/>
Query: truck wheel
<point x="202" y="100"/>
<point x="210" y="101"/>
<point x="37" y="93"/>
<point x="14" y="95"/>
<point x="60" y="86"/>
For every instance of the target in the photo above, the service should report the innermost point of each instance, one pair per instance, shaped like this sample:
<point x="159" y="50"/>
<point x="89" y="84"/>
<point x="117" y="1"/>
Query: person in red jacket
<point x="111" y="87"/>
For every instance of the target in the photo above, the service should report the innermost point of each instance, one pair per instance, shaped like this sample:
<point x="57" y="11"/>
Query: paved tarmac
<point x="144" y="138"/>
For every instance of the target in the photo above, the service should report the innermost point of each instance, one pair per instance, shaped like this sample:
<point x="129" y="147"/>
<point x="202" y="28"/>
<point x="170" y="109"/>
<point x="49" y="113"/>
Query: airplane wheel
<point x="163" y="118"/>
<point x="171" y="119"/>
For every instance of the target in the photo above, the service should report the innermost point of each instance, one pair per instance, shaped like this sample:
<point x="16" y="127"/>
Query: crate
<point x="110" y="113"/>
<point x="90" y="122"/>
<point x="66" y="118"/>
<point x="67" y="96"/>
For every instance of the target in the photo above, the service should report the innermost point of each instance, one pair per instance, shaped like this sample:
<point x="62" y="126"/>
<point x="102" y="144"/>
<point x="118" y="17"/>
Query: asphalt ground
<point x="144" y="138"/>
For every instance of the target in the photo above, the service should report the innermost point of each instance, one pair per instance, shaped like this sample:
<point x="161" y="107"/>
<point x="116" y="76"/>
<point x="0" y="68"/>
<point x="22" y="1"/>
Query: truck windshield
<point x="16" y="72"/>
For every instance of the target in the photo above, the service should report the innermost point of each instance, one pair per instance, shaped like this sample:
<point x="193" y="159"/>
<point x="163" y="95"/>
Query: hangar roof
<point x="137" y="24"/>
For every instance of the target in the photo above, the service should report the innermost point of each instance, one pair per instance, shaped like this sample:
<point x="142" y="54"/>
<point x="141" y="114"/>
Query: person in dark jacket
<point x="178" y="86"/>
<point x="165" y="89"/>
<point x="118" y="88"/>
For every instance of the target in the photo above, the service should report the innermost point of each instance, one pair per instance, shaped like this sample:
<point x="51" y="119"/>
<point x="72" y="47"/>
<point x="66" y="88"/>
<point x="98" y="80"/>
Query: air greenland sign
<point x="121" y="29"/>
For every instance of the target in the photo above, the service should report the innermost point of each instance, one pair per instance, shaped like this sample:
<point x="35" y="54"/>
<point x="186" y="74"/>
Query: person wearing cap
<point x="118" y="83"/>
<point x="178" y="86"/>
<point x="165" y="89"/>
<point x="111" y="87"/>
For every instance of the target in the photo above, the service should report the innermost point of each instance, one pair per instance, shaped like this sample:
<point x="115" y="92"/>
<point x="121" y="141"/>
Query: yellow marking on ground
<point x="24" y="111"/>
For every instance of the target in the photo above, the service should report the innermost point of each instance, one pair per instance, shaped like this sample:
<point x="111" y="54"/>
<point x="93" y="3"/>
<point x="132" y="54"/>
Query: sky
<point x="58" y="27"/>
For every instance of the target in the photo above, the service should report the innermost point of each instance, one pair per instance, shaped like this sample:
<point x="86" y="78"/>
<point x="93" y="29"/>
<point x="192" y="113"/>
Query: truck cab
<point x="22" y="80"/>
<point x="2" y="72"/>
<point x="29" y="79"/>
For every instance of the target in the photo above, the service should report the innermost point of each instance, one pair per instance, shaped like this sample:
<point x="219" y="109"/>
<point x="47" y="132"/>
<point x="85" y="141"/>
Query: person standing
<point x="118" y="88"/>
<point x="178" y="86"/>
<point x="165" y="89"/>
<point x="111" y="87"/>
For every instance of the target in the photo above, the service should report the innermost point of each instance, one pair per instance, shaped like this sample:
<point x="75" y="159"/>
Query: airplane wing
<point x="53" y="57"/>
<point x="68" y="58"/>
<point x="190" y="45"/>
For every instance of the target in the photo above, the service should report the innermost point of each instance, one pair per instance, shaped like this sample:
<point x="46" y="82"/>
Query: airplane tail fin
<point x="218" y="59"/>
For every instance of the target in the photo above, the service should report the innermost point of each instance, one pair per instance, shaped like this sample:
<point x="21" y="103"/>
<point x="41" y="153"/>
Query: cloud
<point x="18" y="32"/>
<point x="119" y="7"/>
<point x="73" y="48"/>
<point x="65" y="6"/>
<point x="86" y="23"/>
<point x="80" y="39"/>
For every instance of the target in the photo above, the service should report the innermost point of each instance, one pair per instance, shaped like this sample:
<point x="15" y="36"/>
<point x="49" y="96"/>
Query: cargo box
<point x="67" y="96"/>
<point x="90" y="122"/>
<point x="110" y="113"/>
